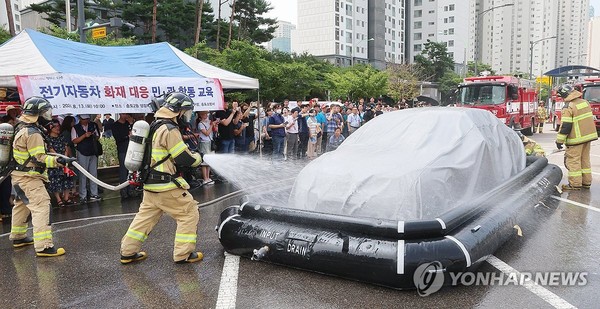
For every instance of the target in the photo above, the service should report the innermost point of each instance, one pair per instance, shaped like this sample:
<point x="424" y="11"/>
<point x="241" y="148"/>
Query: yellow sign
<point x="544" y="80"/>
<point x="99" y="33"/>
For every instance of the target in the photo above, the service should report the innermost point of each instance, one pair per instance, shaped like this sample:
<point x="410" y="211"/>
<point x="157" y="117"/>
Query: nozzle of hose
<point x="259" y="254"/>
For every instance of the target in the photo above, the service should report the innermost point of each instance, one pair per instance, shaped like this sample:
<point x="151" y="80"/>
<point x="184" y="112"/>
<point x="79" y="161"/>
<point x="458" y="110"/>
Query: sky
<point x="287" y="10"/>
<point x="596" y="5"/>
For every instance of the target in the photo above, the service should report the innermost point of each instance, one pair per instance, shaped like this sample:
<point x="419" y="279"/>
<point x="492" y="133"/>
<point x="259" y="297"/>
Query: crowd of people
<point x="298" y="132"/>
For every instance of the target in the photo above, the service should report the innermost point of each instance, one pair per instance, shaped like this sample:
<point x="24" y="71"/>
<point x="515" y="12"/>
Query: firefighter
<point x="542" y="116"/>
<point x="164" y="189"/>
<point x="577" y="131"/>
<point x="29" y="152"/>
<point x="532" y="148"/>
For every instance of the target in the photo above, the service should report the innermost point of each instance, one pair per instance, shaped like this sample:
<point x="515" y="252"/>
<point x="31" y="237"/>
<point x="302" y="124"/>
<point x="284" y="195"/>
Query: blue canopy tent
<point x="34" y="53"/>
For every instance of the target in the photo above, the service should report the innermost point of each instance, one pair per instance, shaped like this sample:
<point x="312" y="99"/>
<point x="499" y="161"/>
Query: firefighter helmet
<point x="181" y="103"/>
<point x="564" y="90"/>
<point x="178" y="101"/>
<point x="38" y="106"/>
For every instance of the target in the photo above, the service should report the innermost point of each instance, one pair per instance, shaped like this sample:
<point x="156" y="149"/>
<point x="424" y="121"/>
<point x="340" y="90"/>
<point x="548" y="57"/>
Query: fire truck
<point x="511" y="99"/>
<point x="591" y="92"/>
<point x="590" y="87"/>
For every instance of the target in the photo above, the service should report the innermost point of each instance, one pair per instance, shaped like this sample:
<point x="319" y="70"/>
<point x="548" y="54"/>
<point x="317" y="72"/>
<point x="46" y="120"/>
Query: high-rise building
<point x="593" y="53"/>
<point x="351" y="31"/>
<point x="573" y="18"/>
<point x="442" y="21"/>
<point x="282" y="37"/>
<point x="505" y="34"/>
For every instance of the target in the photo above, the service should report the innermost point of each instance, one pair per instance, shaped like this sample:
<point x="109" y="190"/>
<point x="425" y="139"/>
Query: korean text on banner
<point x="82" y="94"/>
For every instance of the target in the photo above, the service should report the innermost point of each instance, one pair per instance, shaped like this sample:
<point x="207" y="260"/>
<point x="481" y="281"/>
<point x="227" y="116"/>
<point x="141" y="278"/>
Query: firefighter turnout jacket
<point x="29" y="151"/>
<point x="577" y="124"/>
<point x="169" y="151"/>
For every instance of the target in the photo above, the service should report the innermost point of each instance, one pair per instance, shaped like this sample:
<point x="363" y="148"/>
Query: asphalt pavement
<point x="90" y="275"/>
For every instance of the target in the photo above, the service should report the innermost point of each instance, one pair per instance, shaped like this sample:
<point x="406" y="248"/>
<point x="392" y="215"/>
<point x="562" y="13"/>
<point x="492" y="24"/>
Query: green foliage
<point x="251" y="25"/>
<point x="4" y="36"/>
<point x="480" y="68"/>
<point x="109" y="153"/>
<point x="357" y="82"/>
<point x="109" y="40"/>
<point x="544" y="92"/>
<point x="434" y="60"/>
<point x="447" y="86"/>
<point x="403" y="81"/>
<point x="54" y="11"/>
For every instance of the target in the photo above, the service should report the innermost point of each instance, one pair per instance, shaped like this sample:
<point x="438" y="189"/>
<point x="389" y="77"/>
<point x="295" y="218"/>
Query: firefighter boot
<point x="571" y="188"/>
<point x="50" y="252"/>
<point x="17" y="243"/>
<point x="194" y="257"/>
<point x="133" y="258"/>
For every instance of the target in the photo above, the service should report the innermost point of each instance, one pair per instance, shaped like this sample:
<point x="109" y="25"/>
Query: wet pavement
<point x="90" y="275"/>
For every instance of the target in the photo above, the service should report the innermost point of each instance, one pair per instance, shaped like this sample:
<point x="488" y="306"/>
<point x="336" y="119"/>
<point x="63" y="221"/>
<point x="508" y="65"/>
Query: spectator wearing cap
<point x="291" y="130"/>
<point x="107" y="123"/>
<point x="303" y="131"/>
<point x="84" y="135"/>
<point x="12" y="112"/>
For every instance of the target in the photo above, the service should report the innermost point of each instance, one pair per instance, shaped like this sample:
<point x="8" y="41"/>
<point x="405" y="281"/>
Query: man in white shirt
<point x="291" y="130"/>
<point x="354" y="121"/>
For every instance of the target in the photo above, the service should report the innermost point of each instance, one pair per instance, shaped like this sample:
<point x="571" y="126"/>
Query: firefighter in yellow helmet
<point x="577" y="131"/>
<point x="29" y="152"/>
<point x="532" y="148"/>
<point x="542" y="116"/>
<point x="164" y="190"/>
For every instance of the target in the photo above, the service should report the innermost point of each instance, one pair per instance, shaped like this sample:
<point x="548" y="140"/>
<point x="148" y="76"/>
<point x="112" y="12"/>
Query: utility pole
<point x="531" y="45"/>
<point x="80" y="20"/>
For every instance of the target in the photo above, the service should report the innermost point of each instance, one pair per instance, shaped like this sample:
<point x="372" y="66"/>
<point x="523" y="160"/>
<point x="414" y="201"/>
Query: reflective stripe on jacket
<point x="577" y="124"/>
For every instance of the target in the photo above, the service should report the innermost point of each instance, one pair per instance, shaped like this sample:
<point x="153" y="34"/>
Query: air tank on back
<point x="137" y="145"/>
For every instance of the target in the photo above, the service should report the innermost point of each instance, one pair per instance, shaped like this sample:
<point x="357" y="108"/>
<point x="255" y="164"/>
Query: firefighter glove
<point x="65" y="161"/>
<point x="559" y="145"/>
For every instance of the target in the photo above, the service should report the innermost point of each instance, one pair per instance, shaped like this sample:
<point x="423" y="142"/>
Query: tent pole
<point x="258" y="106"/>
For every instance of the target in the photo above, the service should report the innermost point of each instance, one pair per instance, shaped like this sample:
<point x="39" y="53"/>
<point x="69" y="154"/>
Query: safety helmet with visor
<point x="38" y="106"/>
<point x="181" y="103"/>
<point x="564" y="90"/>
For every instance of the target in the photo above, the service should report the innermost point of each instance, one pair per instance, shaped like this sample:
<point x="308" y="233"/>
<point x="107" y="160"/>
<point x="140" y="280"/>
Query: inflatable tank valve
<point x="259" y="254"/>
<point x="6" y="135"/>
<point x="137" y="145"/>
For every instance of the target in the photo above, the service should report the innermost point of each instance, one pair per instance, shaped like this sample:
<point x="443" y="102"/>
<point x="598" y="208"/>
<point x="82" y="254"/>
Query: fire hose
<point x="92" y="177"/>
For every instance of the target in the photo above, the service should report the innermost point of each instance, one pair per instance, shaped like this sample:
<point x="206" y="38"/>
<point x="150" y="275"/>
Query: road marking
<point x="540" y="291"/>
<point x="575" y="203"/>
<point x="228" y="287"/>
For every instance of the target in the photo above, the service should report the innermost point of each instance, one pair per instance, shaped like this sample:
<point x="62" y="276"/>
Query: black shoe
<point x="586" y="186"/>
<point x="50" y="252"/>
<point x="192" y="258"/>
<point x="17" y="243"/>
<point x="133" y="258"/>
<point x="94" y="198"/>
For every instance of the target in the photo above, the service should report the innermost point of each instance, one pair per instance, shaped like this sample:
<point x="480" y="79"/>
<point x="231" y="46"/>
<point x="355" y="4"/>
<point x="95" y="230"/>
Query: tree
<point x="403" y="81"/>
<point x="448" y="85"/>
<point x="481" y="67"/>
<point x="252" y="26"/>
<point x="358" y="81"/>
<point x="109" y="40"/>
<point x="434" y="60"/>
<point x="9" y="15"/>
<point x="54" y="12"/>
<point x="4" y="36"/>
